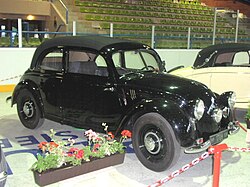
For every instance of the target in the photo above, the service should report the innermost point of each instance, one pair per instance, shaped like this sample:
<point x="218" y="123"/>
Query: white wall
<point x="15" y="61"/>
<point x="176" y="57"/>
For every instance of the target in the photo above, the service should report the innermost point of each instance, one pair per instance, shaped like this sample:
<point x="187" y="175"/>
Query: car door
<point x="90" y="95"/>
<point x="51" y="73"/>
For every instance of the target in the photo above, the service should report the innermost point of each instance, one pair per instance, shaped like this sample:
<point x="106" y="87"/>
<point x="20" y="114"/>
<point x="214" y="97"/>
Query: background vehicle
<point x="223" y="67"/>
<point x="85" y="81"/>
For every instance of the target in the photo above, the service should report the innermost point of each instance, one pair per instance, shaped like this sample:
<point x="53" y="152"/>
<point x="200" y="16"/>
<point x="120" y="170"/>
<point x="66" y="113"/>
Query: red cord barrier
<point x="184" y="168"/>
<point x="15" y="77"/>
<point x="216" y="150"/>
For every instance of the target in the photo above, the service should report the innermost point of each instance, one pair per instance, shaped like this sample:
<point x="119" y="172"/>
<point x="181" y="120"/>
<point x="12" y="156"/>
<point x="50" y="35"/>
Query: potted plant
<point x="60" y="160"/>
<point x="247" y="118"/>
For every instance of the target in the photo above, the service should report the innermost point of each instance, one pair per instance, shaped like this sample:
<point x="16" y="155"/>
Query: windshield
<point x="135" y="60"/>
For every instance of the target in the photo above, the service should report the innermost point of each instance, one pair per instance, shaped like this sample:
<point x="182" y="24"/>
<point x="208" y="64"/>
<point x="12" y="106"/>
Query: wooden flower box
<point x="56" y="175"/>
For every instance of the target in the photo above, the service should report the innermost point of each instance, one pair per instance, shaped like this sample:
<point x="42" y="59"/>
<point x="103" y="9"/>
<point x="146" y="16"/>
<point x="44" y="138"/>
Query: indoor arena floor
<point x="17" y="141"/>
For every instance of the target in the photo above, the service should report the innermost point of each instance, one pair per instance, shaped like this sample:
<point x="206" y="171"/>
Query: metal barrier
<point x="216" y="151"/>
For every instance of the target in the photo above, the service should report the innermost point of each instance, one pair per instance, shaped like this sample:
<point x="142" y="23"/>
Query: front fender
<point x="29" y="85"/>
<point x="176" y="117"/>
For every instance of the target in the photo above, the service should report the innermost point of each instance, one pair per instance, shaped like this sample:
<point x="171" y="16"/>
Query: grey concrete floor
<point x="16" y="141"/>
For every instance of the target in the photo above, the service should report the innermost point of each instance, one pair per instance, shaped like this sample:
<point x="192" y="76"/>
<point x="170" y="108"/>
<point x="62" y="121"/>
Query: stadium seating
<point x="134" y="19"/>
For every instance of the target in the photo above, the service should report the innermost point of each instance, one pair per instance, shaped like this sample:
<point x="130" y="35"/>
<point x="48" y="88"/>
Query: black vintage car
<point x="85" y="81"/>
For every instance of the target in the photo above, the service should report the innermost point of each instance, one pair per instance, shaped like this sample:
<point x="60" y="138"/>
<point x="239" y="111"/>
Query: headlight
<point x="217" y="115"/>
<point x="199" y="109"/>
<point x="232" y="100"/>
<point x="225" y="112"/>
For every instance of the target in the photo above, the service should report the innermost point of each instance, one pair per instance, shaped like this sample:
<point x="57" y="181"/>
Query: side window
<point x="133" y="60"/>
<point x="224" y="59"/>
<point x="53" y="60"/>
<point x="84" y="62"/>
<point x="117" y="59"/>
<point x="150" y="60"/>
<point x="241" y="58"/>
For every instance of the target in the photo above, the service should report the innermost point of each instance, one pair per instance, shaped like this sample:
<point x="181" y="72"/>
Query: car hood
<point x="183" y="72"/>
<point x="180" y="88"/>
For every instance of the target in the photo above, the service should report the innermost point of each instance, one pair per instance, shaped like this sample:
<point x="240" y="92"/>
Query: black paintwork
<point x="87" y="101"/>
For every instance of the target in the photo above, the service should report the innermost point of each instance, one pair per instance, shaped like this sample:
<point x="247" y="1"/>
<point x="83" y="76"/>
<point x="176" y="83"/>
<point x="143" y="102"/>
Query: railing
<point x="62" y="8"/>
<point x="155" y="39"/>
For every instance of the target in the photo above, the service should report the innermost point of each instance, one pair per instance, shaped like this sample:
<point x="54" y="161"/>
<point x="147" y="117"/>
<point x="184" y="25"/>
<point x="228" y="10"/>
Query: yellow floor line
<point x="7" y="88"/>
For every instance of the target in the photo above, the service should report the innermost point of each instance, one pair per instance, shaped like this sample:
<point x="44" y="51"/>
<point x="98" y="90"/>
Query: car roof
<point x="92" y="42"/>
<point x="226" y="47"/>
<point x="210" y="51"/>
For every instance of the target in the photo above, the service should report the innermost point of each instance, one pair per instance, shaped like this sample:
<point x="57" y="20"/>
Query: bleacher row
<point x="170" y="17"/>
<point x="133" y="19"/>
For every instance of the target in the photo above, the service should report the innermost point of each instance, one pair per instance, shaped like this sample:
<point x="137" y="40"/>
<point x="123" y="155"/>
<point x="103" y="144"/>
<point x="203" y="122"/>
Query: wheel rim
<point x="152" y="143"/>
<point x="28" y="109"/>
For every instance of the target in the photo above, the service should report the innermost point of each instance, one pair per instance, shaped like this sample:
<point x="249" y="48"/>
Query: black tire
<point x="28" y="111"/>
<point x="154" y="142"/>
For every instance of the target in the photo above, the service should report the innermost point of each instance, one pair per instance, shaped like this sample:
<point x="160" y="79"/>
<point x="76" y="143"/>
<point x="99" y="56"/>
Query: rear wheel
<point x="28" y="110"/>
<point x="155" y="143"/>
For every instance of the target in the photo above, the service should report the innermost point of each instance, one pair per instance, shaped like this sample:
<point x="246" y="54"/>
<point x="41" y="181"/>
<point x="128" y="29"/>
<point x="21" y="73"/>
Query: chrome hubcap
<point x="152" y="142"/>
<point x="28" y="109"/>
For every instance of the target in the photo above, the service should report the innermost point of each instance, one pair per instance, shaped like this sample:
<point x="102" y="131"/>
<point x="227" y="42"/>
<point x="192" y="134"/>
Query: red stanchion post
<point x="216" y="150"/>
<point x="241" y="126"/>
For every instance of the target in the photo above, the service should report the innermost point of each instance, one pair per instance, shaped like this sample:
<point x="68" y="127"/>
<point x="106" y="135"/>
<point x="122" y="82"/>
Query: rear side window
<point x="53" y="60"/>
<point x="88" y="63"/>
<point x="241" y="58"/>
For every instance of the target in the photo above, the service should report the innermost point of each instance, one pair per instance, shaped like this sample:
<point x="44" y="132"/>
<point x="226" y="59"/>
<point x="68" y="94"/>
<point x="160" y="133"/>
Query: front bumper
<point x="214" y="139"/>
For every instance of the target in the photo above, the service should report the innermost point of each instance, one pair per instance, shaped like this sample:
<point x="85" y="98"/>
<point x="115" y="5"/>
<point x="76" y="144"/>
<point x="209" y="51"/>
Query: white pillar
<point x="214" y="31"/>
<point x="188" y="38"/>
<point x="74" y="28"/>
<point x="153" y="37"/>
<point x="111" y="34"/>
<point x="237" y="27"/>
<point x="20" y="45"/>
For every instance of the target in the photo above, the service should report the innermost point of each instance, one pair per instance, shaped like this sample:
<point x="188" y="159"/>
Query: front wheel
<point x="28" y="111"/>
<point x="154" y="142"/>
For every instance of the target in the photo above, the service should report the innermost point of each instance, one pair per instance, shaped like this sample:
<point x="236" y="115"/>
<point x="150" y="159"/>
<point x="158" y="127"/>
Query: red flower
<point x="73" y="150"/>
<point x="80" y="154"/>
<point x="110" y="134"/>
<point x="53" y="144"/>
<point x="96" y="146"/>
<point x="126" y="134"/>
<point x="47" y="146"/>
<point x="42" y="145"/>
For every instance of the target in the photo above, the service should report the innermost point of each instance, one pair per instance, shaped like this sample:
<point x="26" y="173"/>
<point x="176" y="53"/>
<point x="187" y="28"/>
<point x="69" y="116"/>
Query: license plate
<point x="218" y="137"/>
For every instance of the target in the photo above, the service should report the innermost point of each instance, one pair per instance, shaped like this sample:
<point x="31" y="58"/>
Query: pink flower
<point x="91" y="134"/>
